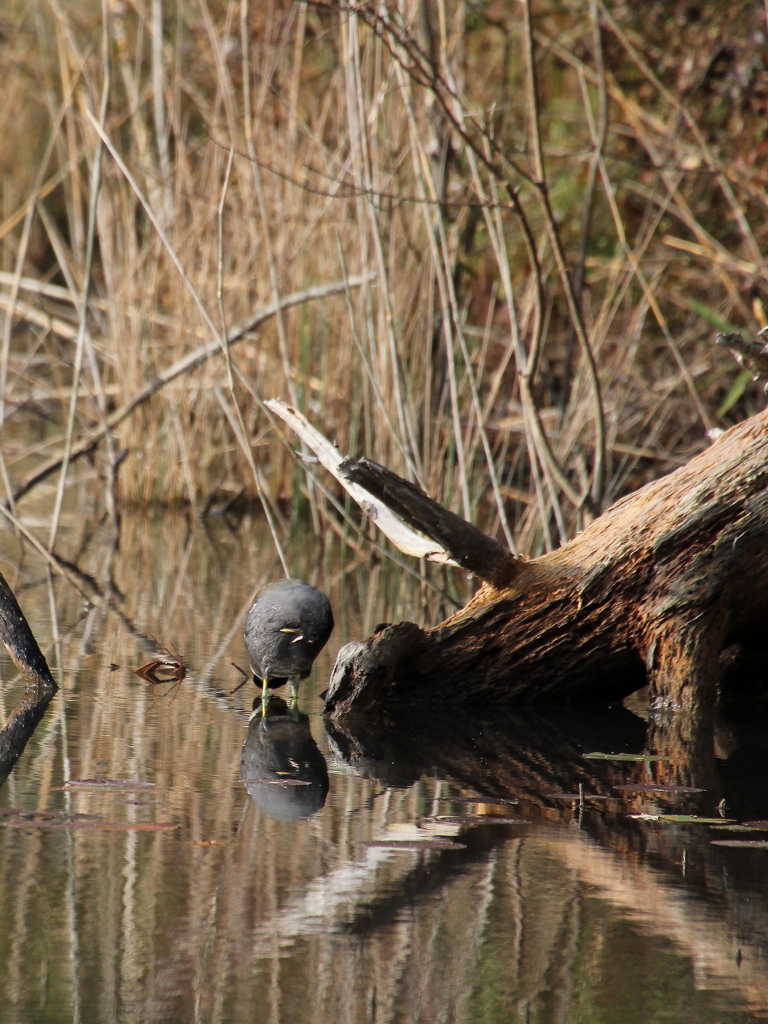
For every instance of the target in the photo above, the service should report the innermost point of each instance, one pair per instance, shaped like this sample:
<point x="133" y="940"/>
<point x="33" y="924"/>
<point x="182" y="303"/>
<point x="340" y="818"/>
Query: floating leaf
<point x="682" y="819"/>
<point x="732" y="828"/>
<point x="160" y="671"/>
<point x="278" y="782"/>
<point x="166" y="667"/>
<point x="596" y="755"/>
<point x="479" y="819"/>
<point x="576" y="796"/>
<point x="756" y="824"/>
<point x="106" y="784"/>
<point x="640" y="787"/>
<point x="748" y="844"/>
<point x="479" y="799"/>
<point x="413" y="844"/>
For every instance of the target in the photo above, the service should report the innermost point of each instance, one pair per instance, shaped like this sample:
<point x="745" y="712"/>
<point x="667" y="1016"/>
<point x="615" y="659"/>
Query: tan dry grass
<point x="412" y="144"/>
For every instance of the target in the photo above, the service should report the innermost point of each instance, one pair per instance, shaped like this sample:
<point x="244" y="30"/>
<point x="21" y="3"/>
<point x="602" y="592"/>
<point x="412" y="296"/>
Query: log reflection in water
<point x="666" y="877"/>
<point x="235" y="910"/>
<point x="530" y="752"/>
<point x="20" y="725"/>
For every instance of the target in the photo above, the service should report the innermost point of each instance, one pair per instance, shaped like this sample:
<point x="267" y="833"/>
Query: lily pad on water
<point x="597" y="755"/>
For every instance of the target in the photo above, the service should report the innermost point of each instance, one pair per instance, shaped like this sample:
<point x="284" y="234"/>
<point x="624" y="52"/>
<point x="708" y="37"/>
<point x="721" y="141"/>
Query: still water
<point x="429" y="866"/>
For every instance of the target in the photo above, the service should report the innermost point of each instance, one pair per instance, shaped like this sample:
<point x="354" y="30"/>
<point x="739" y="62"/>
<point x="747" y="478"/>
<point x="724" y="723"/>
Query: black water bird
<point x="281" y="765"/>
<point x="285" y="630"/>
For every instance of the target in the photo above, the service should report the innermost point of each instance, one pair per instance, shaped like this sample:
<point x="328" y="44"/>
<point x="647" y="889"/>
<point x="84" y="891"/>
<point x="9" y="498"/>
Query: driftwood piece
<point x="652" y="591"/>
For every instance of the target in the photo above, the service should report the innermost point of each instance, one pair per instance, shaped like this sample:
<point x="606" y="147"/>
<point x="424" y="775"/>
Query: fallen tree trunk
<point x="652" y="591"/>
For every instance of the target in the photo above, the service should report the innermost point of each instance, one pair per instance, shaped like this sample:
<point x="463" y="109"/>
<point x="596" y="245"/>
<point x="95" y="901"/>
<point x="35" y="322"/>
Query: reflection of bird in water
<point x="287" y="627"/>
<point x="282" y="768"/>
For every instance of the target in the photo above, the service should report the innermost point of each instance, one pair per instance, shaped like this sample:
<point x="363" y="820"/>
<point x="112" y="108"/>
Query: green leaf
<point x="711" y="315"/>
<point x="735" y="391"/>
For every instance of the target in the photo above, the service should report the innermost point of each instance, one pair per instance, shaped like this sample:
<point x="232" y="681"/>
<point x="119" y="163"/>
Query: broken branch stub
<point x="20" y="642"/>
<point x="468" y="547"/>
<point x="414" y="522"/>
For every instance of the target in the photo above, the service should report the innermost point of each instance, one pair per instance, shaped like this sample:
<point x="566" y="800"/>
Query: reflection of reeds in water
<point x="191" y="589"/>
<point x="235" y="910"/>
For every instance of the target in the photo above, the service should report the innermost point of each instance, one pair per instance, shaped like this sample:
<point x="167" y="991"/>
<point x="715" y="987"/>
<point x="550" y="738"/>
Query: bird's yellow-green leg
<point x="264" y="696"/>
<point x="295" y="693"/>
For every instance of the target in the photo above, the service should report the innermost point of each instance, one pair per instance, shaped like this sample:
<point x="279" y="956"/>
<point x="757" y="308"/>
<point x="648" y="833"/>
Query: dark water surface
<point x="351" y="877"/>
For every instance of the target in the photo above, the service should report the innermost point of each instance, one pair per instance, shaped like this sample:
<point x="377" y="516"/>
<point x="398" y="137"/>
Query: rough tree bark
<point x="652" y="591"/>
<point x="40" y="687"/>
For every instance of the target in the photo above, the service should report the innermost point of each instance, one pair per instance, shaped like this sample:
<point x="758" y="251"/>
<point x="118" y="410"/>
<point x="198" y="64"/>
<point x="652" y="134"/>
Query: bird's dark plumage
<point x="287" y="627"/>
<point x="282" y="768"/>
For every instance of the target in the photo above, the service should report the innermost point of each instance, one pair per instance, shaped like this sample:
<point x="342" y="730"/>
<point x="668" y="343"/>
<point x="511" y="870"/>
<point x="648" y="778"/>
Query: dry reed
<point x="539" y="206"/>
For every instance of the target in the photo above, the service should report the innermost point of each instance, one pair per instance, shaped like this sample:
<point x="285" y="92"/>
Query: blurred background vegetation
<point x="533" y="215"/>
